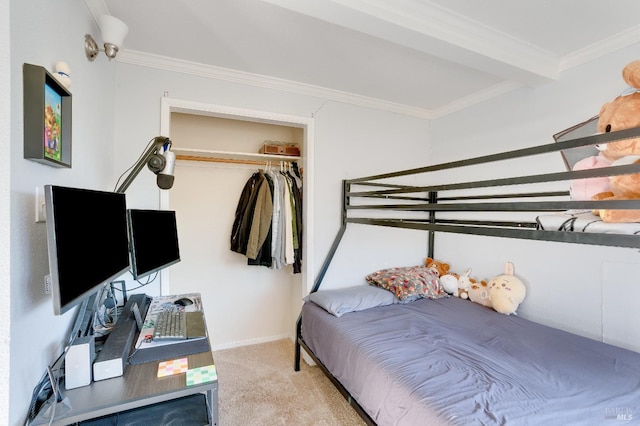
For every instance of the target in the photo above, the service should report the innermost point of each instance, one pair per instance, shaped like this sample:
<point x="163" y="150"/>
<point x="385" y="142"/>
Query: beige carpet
<point x="258" y="386"/>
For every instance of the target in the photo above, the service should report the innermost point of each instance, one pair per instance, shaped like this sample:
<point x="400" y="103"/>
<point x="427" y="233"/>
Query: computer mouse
<point x="185" y="301"/>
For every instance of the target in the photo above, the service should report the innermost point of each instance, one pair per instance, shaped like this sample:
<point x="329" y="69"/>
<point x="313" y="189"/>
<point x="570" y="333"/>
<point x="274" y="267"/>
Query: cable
<point x="123" y="290"/>
<point x="54" y="387"/>
<point x="150" y="279"/>
<point x="111" y="294"/>
<point x="134" y="163"/>
<point x="40" y="395"/>
<point x="48" y="384"/>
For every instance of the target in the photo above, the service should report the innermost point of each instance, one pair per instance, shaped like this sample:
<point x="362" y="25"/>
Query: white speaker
<point x="106" y="369"/>
<point x="78" y="363"/>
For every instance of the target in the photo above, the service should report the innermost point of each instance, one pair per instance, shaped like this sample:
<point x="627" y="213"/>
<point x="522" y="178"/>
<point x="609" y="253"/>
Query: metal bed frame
<point x="429" y="202"/>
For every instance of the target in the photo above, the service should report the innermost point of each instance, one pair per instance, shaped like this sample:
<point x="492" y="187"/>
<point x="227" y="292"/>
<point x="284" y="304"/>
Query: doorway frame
<point x="172" y="105"/>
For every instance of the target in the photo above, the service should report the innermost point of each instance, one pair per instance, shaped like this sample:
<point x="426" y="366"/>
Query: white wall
<point x="349" y="141"/>
<point x="583" y="289"/>
<point x="5" y="201"/>
<point x="43" y="32"/>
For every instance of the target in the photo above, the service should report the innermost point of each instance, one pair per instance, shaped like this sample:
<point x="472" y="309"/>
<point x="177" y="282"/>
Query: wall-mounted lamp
<point x="113" y="33"/>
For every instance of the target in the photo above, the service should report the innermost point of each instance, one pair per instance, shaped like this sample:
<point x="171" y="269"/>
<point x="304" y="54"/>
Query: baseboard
<point x="248" y="342"/>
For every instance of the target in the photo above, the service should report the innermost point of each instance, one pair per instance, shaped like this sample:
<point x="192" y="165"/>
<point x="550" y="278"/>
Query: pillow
<point x="350" y="299"/>
<point x="408" y="282"/>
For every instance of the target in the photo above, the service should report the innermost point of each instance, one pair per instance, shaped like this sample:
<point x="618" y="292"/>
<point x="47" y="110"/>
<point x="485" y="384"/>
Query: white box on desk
<point x="77" y="363"/>
<point x="108" y="369"/>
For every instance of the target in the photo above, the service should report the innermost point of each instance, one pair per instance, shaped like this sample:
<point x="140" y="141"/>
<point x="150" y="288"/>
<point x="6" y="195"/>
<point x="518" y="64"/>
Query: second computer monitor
<point x="153" y="237"/>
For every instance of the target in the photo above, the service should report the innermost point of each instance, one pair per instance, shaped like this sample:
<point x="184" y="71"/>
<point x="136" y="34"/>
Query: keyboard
<point x="170" y="325"/>
<point x="179" y="325"/>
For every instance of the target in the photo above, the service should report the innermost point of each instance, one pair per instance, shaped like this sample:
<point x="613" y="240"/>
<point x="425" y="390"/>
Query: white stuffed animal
<point x="449" y="283"/>
<point x="464" y="284"/>
<point x="506" y="291"/>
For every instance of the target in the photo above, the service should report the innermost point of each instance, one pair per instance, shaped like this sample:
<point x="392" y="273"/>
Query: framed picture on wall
<point x="47" y="118"/>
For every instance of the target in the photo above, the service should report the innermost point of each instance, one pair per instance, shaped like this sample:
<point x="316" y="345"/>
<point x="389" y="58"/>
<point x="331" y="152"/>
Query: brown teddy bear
<point x="441" y="268"/>
<point x="622" y="113"/>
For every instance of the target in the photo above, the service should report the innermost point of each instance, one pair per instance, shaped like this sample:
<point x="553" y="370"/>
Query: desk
<point x="138" y="387"/>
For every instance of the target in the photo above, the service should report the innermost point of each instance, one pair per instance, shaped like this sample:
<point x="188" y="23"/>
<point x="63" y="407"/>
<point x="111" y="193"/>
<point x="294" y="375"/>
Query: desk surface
<point x="137" y="387"/>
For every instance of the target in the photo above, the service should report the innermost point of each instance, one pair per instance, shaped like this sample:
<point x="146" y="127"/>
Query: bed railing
<point x="434" y="200"/>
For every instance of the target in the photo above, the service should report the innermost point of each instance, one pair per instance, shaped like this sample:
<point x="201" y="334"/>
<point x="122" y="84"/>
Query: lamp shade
<point x="113" y="30"/>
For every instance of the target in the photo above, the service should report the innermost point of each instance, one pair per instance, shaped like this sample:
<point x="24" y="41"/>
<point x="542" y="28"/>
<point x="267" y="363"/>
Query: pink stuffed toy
<point x="584" y="189"/>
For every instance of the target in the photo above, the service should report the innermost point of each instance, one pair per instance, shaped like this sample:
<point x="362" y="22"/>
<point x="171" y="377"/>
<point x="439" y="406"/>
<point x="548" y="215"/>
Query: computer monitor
<point x="153" y="236"/>
<point x="87" y="242"/>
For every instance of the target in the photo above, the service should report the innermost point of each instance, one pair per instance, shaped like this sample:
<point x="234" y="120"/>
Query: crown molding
<point x="241" y="77"/>
<point x="478" y="97"/>
<point x="601" y="48"/>
<point x="97" y="8"/>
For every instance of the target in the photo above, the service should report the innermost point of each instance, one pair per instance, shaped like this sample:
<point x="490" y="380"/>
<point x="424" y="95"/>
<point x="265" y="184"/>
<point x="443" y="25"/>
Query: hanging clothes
<point x="276" y="224"/>
<point x="296" y="191"/>
<point x="263" y="256"/>
<point x="261" y="221"/>
<point x="246" y="206"/>
<point x="268" y="224"/>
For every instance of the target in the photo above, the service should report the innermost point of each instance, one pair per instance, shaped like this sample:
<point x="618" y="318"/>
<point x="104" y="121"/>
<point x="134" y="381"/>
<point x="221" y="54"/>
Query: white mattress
<point x="584" y="221"/>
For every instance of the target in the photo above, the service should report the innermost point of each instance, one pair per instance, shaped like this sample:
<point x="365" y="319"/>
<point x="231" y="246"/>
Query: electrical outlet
<point x="41" y="215"/>
<point x="47" y="284"/>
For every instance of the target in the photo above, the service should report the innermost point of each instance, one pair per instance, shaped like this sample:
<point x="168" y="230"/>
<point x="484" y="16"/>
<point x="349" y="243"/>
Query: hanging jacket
<point x="244" y="212"/>
<point x="261" y="220"/>
<point x="264" y="256"/>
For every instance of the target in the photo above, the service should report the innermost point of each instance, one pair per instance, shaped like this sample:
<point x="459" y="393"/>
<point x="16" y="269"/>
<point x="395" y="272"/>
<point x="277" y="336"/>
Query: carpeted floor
<point x="258" y="386"/>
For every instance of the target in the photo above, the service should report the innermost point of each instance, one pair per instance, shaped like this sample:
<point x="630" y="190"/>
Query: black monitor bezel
<point x="60" y="306"/>
<point x="134" y="248"/>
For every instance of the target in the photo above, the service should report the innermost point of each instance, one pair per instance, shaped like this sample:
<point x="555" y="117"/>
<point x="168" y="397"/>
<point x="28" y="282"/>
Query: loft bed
<point x="426" y="362"/>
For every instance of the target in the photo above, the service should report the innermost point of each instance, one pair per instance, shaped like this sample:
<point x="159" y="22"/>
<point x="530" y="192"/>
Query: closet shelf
<point x="188" y="154"/>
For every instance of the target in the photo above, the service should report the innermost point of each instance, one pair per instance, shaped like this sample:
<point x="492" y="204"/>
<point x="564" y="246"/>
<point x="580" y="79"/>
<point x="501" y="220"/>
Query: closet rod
<point x="227" y="160"/>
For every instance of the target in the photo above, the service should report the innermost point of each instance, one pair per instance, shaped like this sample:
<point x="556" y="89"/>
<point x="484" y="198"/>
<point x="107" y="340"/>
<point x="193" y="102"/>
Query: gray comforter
<point x="451" y="361"/>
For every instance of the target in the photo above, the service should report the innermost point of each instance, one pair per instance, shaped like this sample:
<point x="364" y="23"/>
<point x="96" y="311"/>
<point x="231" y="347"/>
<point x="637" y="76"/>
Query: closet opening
<point x="218" y="150"/>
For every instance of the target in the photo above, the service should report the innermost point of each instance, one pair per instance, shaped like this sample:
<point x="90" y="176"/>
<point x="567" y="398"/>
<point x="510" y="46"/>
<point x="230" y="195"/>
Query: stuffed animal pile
<point x="621" y="113"/>
<point x="469" y="288"/>
<point x="448" y="281"/>
<point x="504" y="293"/>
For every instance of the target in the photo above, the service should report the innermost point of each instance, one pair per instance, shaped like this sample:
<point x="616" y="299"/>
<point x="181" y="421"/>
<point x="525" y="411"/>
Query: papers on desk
<point x="199" y="375"/>
<point x="194" y="376"/>
<point x="174" y="366"/>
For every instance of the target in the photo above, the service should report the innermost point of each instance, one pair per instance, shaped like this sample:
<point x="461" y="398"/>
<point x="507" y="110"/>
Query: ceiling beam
<point x="439" y="32"/>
